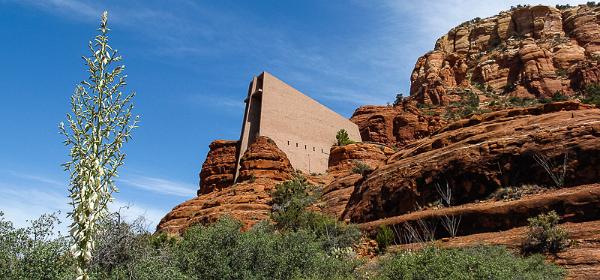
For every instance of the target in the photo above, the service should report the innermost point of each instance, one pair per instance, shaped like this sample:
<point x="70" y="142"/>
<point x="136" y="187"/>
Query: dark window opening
<point x="296" y="145"/>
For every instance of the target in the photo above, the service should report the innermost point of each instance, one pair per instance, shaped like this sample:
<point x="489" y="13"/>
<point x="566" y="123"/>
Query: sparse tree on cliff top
<point x="97" y="127"/>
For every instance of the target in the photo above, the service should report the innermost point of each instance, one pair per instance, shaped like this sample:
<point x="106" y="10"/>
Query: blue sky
<point x="190" y="63"/>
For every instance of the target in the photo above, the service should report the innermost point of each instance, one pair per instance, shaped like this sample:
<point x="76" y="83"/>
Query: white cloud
<point x="131" y="211"/>
<point x="159" y="185"/>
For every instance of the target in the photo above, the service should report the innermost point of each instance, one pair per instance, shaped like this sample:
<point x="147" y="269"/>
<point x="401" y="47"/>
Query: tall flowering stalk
<point x="99" y="124"/>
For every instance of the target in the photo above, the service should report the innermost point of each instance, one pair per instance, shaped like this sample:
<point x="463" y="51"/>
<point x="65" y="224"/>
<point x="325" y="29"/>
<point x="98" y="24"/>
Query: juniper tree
<point x="96" y="129"/>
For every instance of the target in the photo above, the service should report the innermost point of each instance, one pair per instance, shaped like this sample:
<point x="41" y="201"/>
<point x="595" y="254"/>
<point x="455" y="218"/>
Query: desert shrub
<point x="545" y="235"/>
<point x="36" y="251"/>
<point x="342" y="138"/>
<point x="482" y="262"/>
<point x="592" y="95"/>
<point x="468" y="104"/>
<point x="221" y="251"/>
<point x="385" y="237"/>
<point x="290" y="202"/>
<point x="521" y="102"/>
<point x="399" y="99"/>
<point x="126" y="250"/>
<point x="361" y="168"/>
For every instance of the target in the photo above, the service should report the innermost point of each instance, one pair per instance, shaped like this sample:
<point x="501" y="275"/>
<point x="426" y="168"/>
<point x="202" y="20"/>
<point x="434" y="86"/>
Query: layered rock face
<point x="262" y="167"/>
<point x="526" y="52"/>
<point x="218" y="170"/>
<point x="395" y="125"/>
<point x="479" y="155"/>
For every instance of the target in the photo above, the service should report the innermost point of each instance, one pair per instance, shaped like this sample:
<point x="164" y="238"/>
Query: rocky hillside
<point x="527" y="52"/>
<point x="495" y="118"/>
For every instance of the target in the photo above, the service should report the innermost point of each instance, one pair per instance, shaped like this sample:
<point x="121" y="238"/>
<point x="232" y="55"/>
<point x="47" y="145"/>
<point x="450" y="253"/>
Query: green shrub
<point x="399" y="99"/>
<point x="221" y="251"/>
<point x="521" y="102"/>
<point x="545" y="235"/>
<point x="385" y="237"/>
<point x="592" y="95"/>
<point x="290" y="202"/>
<point x="35" y="252"/>
<point x="342" y="138"/>
<point x="468" y="104"/>
<point x="361" y="168"/>
<point x="483" y="262"/>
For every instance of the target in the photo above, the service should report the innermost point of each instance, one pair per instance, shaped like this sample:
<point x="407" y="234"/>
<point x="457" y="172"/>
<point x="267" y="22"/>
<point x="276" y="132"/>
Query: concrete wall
<point x="300" y="126"/>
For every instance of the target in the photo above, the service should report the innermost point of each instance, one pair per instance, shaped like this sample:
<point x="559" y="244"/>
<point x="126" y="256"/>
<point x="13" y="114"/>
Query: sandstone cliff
<point x="526" y="52"/>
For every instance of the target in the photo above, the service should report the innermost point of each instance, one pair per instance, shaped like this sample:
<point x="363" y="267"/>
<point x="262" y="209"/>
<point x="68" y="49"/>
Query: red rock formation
<point x="262" y="167"/>
<point x="218" y="169"/>
<point x="527" y="52"/>
<point x="394" y="126"/>
<point x="263" y="159"/>
<point x="581" y="203"/>
<point x="345" y="157"/>
<point x="247" y="202"/>
<point x="479" y="155"/>
<point x="340" y="180"/>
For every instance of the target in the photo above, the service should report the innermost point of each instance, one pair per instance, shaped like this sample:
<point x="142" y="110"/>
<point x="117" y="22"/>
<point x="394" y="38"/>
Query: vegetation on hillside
<point x="468" y="263"/>
<point x="298" y="244"/>
<point x="545" y="236"/>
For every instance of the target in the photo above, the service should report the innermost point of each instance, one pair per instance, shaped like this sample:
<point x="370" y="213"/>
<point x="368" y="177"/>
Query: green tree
<point x="100" y="122"/>
<point x="342" y="138"/>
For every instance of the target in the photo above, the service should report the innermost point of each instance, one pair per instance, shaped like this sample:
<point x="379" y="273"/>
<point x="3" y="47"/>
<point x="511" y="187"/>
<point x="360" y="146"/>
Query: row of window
<point x="306" y="147"/>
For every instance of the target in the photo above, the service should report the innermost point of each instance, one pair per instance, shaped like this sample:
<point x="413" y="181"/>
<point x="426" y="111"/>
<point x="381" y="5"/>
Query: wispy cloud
<point x="160" y="186"/>
<point x="131" y="211"/>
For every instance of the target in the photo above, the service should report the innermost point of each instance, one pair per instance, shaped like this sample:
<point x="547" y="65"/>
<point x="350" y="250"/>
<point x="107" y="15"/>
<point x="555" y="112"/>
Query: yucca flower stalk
<point x="99" y="124"/>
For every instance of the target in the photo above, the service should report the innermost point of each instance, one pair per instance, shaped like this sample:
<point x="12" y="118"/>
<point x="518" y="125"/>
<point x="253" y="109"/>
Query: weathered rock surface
<point x="477" y="156"/>
<point x="218" y="169"/>
<point x="263" y="159"/>
<point x="576" y="204"/>
<point x="526" y="52"/>
<point x="263" y="166"/>
<point x="346" y="157"/>
<point x="246" y="201"/>
<point x="394" y="125"/>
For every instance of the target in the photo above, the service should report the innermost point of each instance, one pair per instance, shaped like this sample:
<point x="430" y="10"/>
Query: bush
<point x="221" y="251"/>
<point x="290" y="202"/>
<point x="385" y="237"/>
<point x="361" y="168"/>
<point x="468" y="104"/>
<point x="592" y="95"/>
<point x="399" y="99"/>
<point x="342" y="138"/>
<point x="545" y="236"/>
<point x="482" y="262"/>
<point x="127" y="250"/>
<point x="35" y="252"/>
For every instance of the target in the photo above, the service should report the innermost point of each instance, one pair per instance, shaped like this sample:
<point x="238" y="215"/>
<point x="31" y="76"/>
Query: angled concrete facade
<point x="300" y="126"/>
